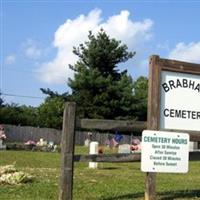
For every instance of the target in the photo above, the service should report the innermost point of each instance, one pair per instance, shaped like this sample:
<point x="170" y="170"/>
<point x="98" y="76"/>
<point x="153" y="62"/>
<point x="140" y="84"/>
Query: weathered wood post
<point x="67" y="152"/>
<point x="153" y="119"/>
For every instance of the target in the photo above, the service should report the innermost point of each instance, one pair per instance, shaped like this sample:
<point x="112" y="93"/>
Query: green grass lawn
<point x="122" y="181"/>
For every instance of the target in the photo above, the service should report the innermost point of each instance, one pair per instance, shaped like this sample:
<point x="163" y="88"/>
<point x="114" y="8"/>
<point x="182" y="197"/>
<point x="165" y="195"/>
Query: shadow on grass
<point x="125" y="196"/>
<point x="181" y="194"/>
<point x="108" y="168"/>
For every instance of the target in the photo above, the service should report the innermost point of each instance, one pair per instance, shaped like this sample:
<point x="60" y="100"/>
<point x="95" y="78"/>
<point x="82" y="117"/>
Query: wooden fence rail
<point x="108" y="158"/>
<point x="111" y="125"/>
<point x="135" y="157"/>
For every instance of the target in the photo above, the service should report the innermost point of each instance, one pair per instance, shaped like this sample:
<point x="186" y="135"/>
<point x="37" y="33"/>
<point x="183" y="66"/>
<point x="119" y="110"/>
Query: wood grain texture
<point x="67" y="152"/>
<point x="111" y="125"/>
<point x="153" y="118"/>
<point x="179" y="66"/>
<point x="153" y="110"/>
<point x="135" y="157"/>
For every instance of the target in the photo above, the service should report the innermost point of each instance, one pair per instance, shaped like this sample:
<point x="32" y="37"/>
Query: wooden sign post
<point x="173" y="103"/>
<point x="152" y="120"/>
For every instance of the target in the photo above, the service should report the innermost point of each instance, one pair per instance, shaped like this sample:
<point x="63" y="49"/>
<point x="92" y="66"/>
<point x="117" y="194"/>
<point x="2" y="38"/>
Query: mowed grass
<point x="111" y="181"/>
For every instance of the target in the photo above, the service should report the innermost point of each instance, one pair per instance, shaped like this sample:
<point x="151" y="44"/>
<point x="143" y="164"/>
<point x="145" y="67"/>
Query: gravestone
<point x="124" y="148"/>
<point x="93" y="150"/>
<point x="193" y="146"/>
<point x="2" y="137"/>
<point x="2" y="146"/>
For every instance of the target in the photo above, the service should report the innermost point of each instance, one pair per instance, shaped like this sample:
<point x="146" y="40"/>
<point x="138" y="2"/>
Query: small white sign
<point x="164" y="152"/>
<point x="179" y="105"/>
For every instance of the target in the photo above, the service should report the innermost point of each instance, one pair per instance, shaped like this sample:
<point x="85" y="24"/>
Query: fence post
<point x="67" y="151"/>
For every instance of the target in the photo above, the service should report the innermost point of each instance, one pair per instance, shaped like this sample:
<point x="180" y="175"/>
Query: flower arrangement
<point x="2" y="136"/>
<point x="136" y="145"/>
<point x="2" y="133"/>
<point x="30" y="142"/>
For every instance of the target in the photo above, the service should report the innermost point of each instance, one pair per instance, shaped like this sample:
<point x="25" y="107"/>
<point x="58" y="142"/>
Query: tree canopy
<point x="18" y="115"/>
<point x="50" y="112"/>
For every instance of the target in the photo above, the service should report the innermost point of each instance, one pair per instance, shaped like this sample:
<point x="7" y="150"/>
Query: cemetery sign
<point x="174" y="96"/>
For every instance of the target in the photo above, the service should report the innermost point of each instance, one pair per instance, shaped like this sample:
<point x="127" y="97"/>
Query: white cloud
<point x="10" y="59"/>
<point x="73" y="32"/>
<point x="186" y="52"/>
<point x="31" y="49"/>
<point x="164" y="46"/>
<point x="123" y="28"/>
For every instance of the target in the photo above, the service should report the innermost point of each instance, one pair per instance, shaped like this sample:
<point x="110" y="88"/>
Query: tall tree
<point x="50" y="113"/>
<point x="99" y="89"/>
<point x="140" y="96"/>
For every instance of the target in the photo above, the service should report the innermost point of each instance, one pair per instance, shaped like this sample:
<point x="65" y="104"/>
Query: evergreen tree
<point x="65" y="96"/>
<point x="98" y="88"/>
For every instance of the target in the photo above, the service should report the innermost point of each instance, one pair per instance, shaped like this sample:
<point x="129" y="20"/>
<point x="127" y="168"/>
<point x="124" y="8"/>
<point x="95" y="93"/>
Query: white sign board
<point x="164" y="152"/>
<point x="180" y="101"/>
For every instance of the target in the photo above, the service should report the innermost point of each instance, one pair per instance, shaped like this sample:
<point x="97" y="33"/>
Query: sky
<point x="37" y="38"/>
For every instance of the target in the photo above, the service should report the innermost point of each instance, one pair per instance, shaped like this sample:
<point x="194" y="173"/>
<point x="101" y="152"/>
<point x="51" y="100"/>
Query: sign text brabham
<point x="181" y="83"/>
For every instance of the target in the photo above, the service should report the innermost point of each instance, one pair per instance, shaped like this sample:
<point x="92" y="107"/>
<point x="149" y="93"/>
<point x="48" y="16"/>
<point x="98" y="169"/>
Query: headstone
<point x="42" y="142"/>
<point x="2" y="137"/>
<point x="124" y="148"/>
<point x="93" y="150"/>
<point x="193" y="146"/>
<point x="87" y="142"/>
<point x="2" y="146"/>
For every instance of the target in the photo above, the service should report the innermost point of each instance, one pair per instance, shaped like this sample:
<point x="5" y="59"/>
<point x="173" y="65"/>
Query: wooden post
<point x="152" y="119"/>
<point x="150" y="186"/>
<point x="67" y="152"/>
